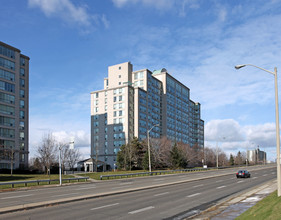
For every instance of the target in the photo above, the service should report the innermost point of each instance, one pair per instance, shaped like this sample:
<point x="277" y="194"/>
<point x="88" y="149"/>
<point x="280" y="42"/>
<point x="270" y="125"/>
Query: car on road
<point x="243" y="174"/>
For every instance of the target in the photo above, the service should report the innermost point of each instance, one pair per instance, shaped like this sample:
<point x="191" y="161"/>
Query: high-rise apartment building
<point x="132" y="102"/>
<point x="14" y="100"/>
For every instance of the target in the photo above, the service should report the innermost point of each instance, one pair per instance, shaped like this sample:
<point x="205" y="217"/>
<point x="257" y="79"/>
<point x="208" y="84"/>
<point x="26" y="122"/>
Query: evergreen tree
<point x="231" y="160"/>
<point x="177" y="158"/>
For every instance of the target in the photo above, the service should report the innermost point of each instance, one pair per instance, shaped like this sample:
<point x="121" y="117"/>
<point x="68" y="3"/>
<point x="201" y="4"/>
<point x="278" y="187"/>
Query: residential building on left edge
<point x="14" y="108"/>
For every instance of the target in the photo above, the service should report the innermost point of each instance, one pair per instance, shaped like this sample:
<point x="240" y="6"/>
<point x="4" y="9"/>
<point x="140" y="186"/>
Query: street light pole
<point x="60" y="148"/>
<point x="60" y="164"/>
<point x="217" y="156"/>
<point x="276" y="122"/>
<point x="149" y="160"/>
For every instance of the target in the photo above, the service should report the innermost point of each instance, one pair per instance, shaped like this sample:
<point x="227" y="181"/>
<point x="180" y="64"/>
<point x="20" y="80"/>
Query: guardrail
<point x="152" y="173"/>
<point x="41" y="181"/>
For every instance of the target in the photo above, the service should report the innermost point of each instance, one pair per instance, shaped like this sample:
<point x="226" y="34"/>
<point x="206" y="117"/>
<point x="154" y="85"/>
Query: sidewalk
<point x="229" y="210"/>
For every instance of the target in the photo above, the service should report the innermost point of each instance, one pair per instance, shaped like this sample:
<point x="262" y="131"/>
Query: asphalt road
<point x="174" y="201"/>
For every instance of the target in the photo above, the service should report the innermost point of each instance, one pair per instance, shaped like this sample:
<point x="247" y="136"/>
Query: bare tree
<point x="161" y="149"/>
<point x="73" y="157"/>
<point x="47" y="152"/>
<point x="223" y="160"/>
<point x="210" y="157"/>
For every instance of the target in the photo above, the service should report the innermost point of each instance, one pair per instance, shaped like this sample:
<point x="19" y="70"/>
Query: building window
<point x="120" y="98"/>
<point x="22" y="93"/>
<point x="22" y="61"/>
<point x="119" y="67"/>
<point x="22" y="83"/>
<point x="7" y="75"/>
<point x="7" y="98"/>
<point x="119" y="76"/>
<point x="22" y="114"/>
<point x="7" y="64"/>
<point x="97" y="109"/>
<point x="6" y="121"/>
<point x="114" y="113"/>
<point x="119" y="83"/>
<point x="114" y="99"/>
<point x="7" y="86"/>
<point x="97" y="95"/>
<point x="22" y="103"/>
<point x="7" y="52"/>
<point x="120" y="113"/>
<point x="22" y="146"/>
<point x="7" y="110"/>
<point x="22" y="72"/>
<point x="22" y="136"/>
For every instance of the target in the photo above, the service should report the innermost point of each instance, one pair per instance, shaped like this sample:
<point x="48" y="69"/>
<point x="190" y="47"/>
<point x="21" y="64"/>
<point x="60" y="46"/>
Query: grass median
<point x="96" y="175"/>
<point x="266" y="209"/>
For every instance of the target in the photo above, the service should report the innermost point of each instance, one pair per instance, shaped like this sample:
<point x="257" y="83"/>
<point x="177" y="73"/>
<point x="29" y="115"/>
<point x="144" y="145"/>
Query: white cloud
<point x="161" y="5"/>
<point x="223" y="130"/>
<point x="232" y="137"/>
<point x="263" y="135"/>
<point x="68" y="12"/>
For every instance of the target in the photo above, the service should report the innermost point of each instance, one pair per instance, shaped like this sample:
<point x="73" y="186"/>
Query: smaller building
<point x="256" y="156"/>
<point x="89" y="165"/>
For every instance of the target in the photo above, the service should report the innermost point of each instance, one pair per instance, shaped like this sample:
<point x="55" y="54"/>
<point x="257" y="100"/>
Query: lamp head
<point x="239" y="66"/>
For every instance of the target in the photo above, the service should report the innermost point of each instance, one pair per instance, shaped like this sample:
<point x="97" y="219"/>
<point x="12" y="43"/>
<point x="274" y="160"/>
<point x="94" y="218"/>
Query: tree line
<point x="47" y="155"/>
<point x="166" y="154"/>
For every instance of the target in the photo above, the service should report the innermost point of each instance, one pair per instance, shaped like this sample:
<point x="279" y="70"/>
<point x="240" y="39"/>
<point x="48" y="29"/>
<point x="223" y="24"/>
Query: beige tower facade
<point x="132" y="102"/>
<point x="14" y="110"/>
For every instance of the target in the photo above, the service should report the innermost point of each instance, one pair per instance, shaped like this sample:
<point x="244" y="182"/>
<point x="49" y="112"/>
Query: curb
<point x="233" y="199"/>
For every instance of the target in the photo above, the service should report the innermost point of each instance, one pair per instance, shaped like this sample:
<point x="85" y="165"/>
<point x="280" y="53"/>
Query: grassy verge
<point x="27" y="177"/>
<point x="268" y="208"/>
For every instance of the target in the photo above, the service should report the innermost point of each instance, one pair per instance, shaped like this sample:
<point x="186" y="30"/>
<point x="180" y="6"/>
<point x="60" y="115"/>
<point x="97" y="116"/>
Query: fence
<point x="25" y="183"/>
<point x="151" y="173"/>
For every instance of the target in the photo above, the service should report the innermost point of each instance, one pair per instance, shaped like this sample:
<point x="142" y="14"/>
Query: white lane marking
<point x="240" y="181"/>
<point x="105" y="206"/>
<point x="126" y="183"/>
<point x="64" y="194"/>
<point x="255" y="177"/>
<point x="141" y="210"/>
<point x="196" y="194"/>
<point x="119" y="187"/>
<point x="158" y="179"/>
<point x="92" y="187"/>
<point x="219" y="181"/>
<point x="12" y="197"/>
<point x="161" y="194"/>
<point x="264" y="174"/>
<point x="198" y="185"/>
<point x="220" y="187"/>
<point x="273" y="173"/>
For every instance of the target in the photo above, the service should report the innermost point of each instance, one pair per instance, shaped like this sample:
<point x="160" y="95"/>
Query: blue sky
<point x="71" y="44"/>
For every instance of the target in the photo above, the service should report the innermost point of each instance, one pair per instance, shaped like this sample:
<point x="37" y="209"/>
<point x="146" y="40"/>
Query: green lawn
<point x="266" y="209"/>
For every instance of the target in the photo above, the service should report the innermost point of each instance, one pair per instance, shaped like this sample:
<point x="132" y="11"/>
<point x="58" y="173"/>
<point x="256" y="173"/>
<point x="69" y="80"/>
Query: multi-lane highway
<point x="172" y="196"/>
